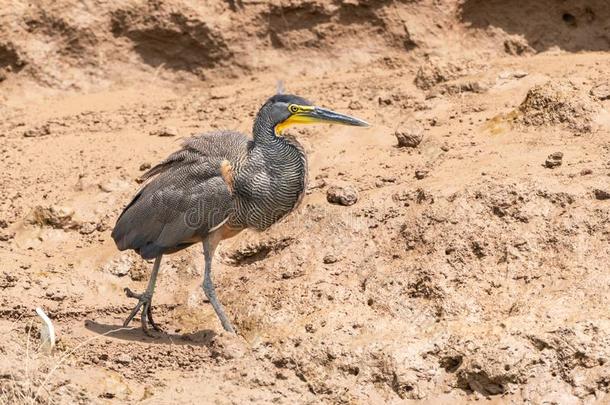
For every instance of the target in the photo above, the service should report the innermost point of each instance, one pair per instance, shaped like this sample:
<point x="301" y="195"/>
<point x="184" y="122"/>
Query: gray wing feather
<point x="184" y="198"/>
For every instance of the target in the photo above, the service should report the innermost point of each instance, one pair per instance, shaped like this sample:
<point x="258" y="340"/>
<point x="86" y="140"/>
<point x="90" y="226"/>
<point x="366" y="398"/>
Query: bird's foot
<point x="144" y="302"/>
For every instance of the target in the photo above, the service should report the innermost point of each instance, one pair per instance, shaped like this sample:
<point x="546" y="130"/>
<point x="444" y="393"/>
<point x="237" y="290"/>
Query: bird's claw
<point x="144" y="302"/>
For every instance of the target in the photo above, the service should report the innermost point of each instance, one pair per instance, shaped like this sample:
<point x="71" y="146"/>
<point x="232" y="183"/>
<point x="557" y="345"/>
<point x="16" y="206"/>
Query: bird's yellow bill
<point x="305" y="114"/>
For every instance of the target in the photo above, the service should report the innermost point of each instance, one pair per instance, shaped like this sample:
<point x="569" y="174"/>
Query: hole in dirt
<point x="451" y="363"/>
<point x="569" y="19"/>
<point x="9" y="58"/>
<point x="582" y="28"/>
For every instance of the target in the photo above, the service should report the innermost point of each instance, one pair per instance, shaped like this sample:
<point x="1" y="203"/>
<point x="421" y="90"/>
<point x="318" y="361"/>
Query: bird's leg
<point x="145" y="301"/>
<point x="208" y="285"/>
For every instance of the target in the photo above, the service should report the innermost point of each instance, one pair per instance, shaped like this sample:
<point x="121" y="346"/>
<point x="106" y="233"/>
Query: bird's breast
<point x="270" y="185"/>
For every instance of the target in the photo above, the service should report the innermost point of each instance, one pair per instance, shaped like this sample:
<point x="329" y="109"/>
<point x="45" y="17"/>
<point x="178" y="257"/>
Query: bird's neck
<point x="273" y="146"/>
<point x="264" y="130"/>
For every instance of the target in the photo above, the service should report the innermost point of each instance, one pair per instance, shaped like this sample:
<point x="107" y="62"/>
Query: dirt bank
<point x="473" y="265"/>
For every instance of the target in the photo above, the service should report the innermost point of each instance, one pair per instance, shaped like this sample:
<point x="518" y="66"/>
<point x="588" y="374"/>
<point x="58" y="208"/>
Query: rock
<point x="355" y="105"/>
<point x="601" y="194"/>
<point x="421" y="174"/>
<point x="54" y="216"/>
<point x="342" y="195"/>
<point x="164" y="131"/>
<point x="558" y="102"/>
<point x="431" y="73"/>
<point x="553" y="160"/>
<point x="601" y="92"/>
<point x="329" y="259"/>
<point x="384" y="99"/>
<point x="145" y="166"/>
<point x="409" y="137"/>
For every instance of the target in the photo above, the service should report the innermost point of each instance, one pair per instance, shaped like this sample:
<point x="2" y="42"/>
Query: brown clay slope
<point x="473" y="265"/>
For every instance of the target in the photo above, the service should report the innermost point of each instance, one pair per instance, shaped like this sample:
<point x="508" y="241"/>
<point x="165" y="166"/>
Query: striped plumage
<point x="216" y="185"/>
<point x="270" y="184"/>
<point x="186" y="196"/>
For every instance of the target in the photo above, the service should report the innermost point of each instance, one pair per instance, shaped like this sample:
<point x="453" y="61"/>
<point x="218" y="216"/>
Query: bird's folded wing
<point x="176" y="208"/>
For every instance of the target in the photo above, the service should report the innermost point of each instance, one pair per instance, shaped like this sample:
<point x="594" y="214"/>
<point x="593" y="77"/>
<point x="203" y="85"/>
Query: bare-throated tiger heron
<point x="215" y="186"/>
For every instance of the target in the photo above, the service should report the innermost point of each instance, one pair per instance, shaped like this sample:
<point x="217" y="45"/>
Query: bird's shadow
<point x="201" y="338"/>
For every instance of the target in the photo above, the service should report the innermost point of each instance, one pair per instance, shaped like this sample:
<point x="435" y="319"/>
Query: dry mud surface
<point x="474" y="264"/>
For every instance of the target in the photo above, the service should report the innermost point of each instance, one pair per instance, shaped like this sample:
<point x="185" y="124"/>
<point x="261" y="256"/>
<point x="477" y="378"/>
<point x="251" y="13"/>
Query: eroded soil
<point x="473" y="265"/>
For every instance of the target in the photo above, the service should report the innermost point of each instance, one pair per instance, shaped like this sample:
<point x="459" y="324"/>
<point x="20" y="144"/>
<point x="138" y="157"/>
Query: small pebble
<point x="342" y="195"/>
<point x="329" y="259"/>
<point x="421" y="174"/>
<point x="601" y="194"/>
<point x="409" y="137"/>
<point x="554" y="160"/>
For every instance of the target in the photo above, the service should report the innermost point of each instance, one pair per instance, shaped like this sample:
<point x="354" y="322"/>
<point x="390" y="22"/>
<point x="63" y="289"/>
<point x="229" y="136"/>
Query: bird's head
<point x="284" y="110"/>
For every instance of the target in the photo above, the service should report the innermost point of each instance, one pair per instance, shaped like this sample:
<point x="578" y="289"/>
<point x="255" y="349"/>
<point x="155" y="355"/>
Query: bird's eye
<point x="293" y="108"/>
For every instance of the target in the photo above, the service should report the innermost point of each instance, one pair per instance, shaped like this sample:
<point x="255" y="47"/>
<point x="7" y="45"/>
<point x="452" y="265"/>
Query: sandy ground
<point x="474" y="265"/>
